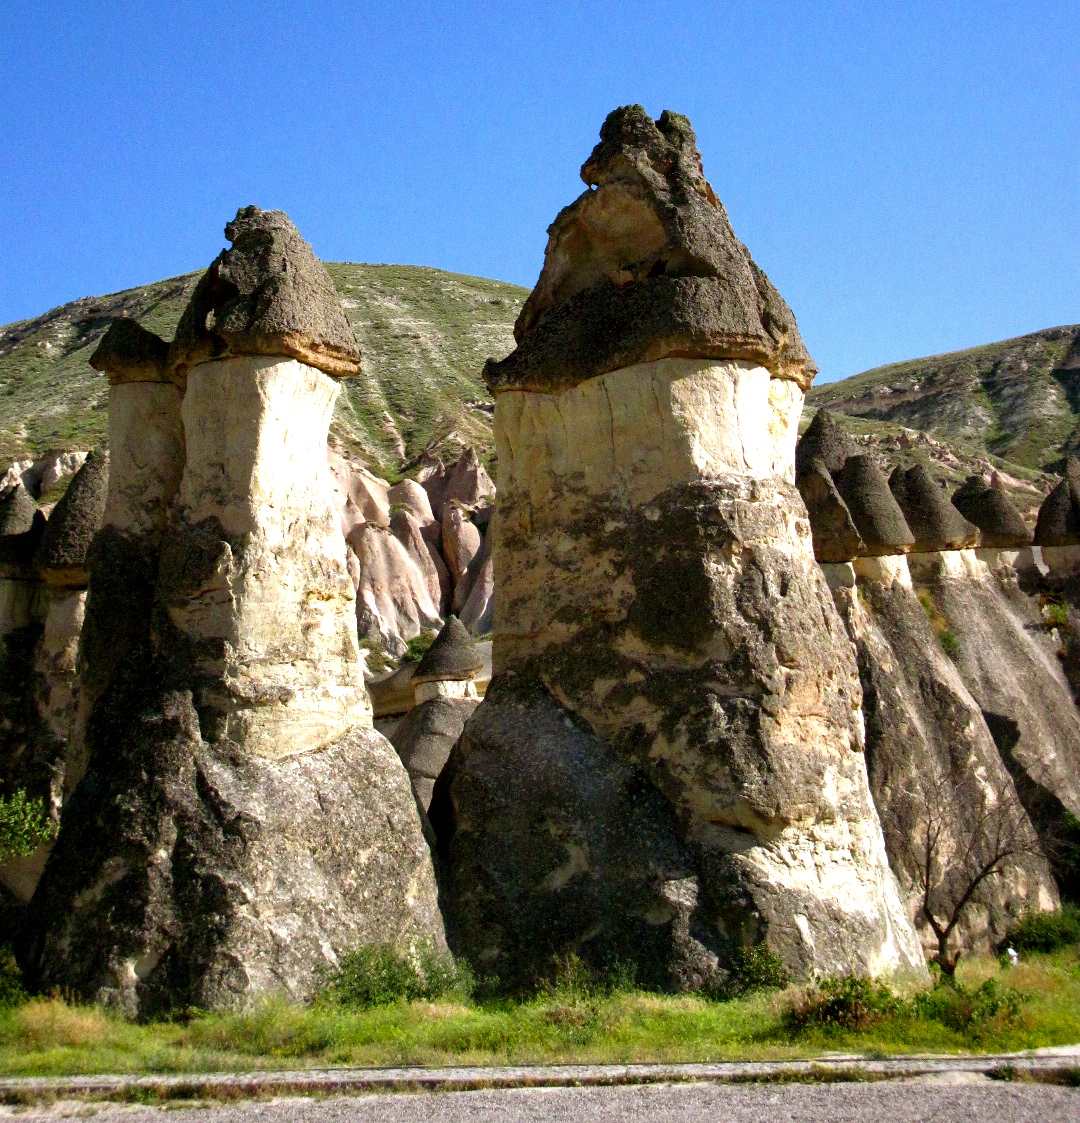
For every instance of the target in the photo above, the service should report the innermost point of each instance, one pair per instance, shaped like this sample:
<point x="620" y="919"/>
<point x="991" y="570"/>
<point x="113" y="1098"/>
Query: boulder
<point x="1001" y="526"/>
<point x="667" y="766"/>
<point x="932" y="519"/>
<point x="875" y="512"/>
<point x="644" y="265"/>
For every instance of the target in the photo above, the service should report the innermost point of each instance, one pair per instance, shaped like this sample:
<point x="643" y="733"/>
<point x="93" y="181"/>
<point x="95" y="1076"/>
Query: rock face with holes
<point x="668" y="764"/>
<point x="240" y="825"/>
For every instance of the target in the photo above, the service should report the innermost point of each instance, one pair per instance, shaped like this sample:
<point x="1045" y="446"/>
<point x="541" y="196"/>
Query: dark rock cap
<point x="935" y="522"/>
<point x="990" y="509"/>
<point x="453" y="655"/>
<point x="646" y="266"/>
<point x="62" y="555"/>
<point x="836" y="538"/>
<point x="880" y="522"/>
<point x="268" y="295"/>
<point x="129" y="353"/>
<point x="824" y="440"/>
<point x="1058" y="523"/>
<point x="21" y="528"/>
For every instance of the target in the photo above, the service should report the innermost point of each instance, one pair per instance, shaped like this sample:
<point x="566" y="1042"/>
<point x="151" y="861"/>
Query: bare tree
<point x="962" y="836"/>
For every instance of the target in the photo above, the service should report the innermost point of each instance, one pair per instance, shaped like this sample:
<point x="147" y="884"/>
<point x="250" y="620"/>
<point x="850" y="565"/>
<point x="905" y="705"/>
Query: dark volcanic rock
<point x="824" y="440"/>
<point x="425" y="737"/>
<point x="187" y="874"/>
<point x="129" y="353"/>
<point x="876" y="513"/>
<point x="21" y="528"/>
<point x="452" y="655"/>
<point x="835" y="536"/>
<point x="1059" y="516"/>
<point x="268" y="295"/>
<point x="645" y="266"/>
<point x="990" y="509"/>
<point x="62" y="554"/>
<point x="932" y="519"/>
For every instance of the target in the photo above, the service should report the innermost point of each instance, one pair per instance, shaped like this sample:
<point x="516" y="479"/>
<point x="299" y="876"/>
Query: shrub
<point x="24" y="825"/>
<point x="1056" y="616"/>
<point x="381" y="975"/>
<point x="416" y="647"/>
<point x="950" y="643"/>
<point x="756" y="968"/>
<point x="11" y="988"/>
<point x="958" y="1008"/>
<point x="1047" y="931"/>
<point x="848" y="1003"/>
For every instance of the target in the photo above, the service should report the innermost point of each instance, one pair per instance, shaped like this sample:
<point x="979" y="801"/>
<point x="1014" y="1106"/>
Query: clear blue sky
<point x="907" y="173"/>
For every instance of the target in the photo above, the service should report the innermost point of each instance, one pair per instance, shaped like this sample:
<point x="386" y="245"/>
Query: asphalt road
<point x="959" y="1099"/>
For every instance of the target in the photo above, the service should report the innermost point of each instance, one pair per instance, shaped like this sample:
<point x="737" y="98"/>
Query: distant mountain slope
<point x="1018" y="399"/>
<point x="425" y="335"/>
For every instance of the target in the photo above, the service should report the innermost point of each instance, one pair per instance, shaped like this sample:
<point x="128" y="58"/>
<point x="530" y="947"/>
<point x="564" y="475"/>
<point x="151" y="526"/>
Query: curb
<point x="1042" y="1066"/>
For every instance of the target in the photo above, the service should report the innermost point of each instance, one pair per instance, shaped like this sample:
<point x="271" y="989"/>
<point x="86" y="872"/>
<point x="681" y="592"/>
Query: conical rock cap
<point x="644" y="265"/>
<point x="932" y="519"/>
<point x="62" y="555"/>
<point x="836" y="538"/>
<point x="451" y="656"/>
<point x="876" y="514"/>
<point x="268" y="295"/>
<point x="129" y="353"/>
<point x="824" y="440"/>
<point x="990" y="509"/>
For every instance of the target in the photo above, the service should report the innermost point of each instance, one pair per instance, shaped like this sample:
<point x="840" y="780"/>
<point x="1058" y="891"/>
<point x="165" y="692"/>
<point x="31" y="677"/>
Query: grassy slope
<point x="1018" y="399"/>
<point x="47" y="1037"/>
<point x="425" y="334"/>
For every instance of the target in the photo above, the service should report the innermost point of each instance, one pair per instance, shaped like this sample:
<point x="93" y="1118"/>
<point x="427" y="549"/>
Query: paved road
<point x="953" y="1099"/>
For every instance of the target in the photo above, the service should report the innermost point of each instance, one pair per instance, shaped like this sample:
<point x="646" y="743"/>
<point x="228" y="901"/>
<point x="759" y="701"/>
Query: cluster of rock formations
<point x="727" y="663"/>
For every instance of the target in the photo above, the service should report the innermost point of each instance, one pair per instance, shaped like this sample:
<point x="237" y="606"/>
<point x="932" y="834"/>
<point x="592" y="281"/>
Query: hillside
<point x="425" y="334"/>
<point x="1018" y="399"/>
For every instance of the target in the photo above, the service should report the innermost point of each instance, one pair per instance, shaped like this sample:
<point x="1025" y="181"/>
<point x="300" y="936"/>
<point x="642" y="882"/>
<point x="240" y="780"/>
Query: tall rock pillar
<point x="668" y="764"/>
<point x="241" y="825"/>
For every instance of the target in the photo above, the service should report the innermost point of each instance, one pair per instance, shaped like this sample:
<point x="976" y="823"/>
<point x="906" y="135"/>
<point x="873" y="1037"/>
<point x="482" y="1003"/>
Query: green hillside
<point x="425" y="335"/>
<point x="1018" y="399"/>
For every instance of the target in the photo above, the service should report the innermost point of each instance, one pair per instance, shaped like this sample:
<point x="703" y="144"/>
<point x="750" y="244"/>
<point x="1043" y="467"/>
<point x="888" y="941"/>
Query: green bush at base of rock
<point x="381" y="976"/>
<point x="24" y="825"/>
<point x="1047" y="931"/>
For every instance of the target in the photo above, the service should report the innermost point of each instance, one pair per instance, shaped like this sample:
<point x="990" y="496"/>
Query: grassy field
<point x="1034" y="1004"/>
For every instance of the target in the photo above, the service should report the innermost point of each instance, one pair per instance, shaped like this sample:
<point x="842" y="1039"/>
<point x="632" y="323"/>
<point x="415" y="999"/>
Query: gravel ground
<point x="957" y="1098"/>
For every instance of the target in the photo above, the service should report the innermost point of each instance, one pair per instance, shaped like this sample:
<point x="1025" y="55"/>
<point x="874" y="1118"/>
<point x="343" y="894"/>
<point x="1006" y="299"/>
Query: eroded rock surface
<point x="934" y="522"/>
<point x="667" y="765"/>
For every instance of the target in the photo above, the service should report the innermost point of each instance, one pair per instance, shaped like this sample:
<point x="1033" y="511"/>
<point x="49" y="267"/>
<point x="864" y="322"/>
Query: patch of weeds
<point x="417" y="646"/>
<point x="11" y="988"/>
<point x="24" y="825"/>
<point x="1047" y="931"/>
<point x="847" y="1003"/>
<point x="950" y="644"/>
<point x="376" y="658"/>
<point x="380" y="975"/>
<point x="754" y="969"/>
<point x="1054" y="614"/>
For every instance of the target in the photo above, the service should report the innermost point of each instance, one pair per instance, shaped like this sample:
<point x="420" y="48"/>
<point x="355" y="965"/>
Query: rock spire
<point x="672" y="729"/>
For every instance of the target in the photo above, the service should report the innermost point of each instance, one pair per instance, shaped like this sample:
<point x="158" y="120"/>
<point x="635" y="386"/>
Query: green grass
<point x="1036" y="1004"/>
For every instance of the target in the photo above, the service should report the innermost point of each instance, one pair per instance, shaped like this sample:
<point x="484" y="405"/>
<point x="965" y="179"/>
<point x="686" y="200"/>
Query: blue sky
<point x="907" y="173"/>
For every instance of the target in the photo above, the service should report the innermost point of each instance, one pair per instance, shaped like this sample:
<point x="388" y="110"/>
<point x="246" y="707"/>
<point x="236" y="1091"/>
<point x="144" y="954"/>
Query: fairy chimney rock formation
<point x="445" y="695"/>
<point x="934" y="522"/>
<point x="241" y="825"/>
<point x="823" y="440"/>
<point x="1001" y="526"/>
<point x="877" y="515"/>
<point x="62" y="556"/>
<point x="1057" y="529"/>
<point x="667" y="764"/>
<point x="21" y="528"/>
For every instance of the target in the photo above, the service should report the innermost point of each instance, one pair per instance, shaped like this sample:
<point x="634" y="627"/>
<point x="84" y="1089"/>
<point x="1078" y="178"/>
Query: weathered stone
<point x="644" y="265"/>
<point x="667" y="764"/>
<point x="824" y="440"/>
<point x="61" y="557"/>
<point x="451" y="657"/>
<point x="21" y="528"/>
<point x="129" y="353"/>
<point x="931" y="518"/>
<point x="359" y="495"/>
<point x="461" y="543"/>
<point x="394" y="599"/>
<point x="875" y="512"/>
<point x="922" y="723"/>
<point x="835" y="536"/>
<point x="268" y="295"/>
<point x="478" y="612"/>
<point x="465" y="480"/>
<point x="253" y="571"/>
<point x="1000" y="524"/>
<point x="189" y="874"/>
<point x="409" y="531"/>
<point x="1059" y="516"/>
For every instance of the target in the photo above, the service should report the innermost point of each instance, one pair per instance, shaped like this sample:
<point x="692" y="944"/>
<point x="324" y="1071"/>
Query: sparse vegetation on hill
<point x="425" y="335"/>
<point x="1018" y="399"/>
